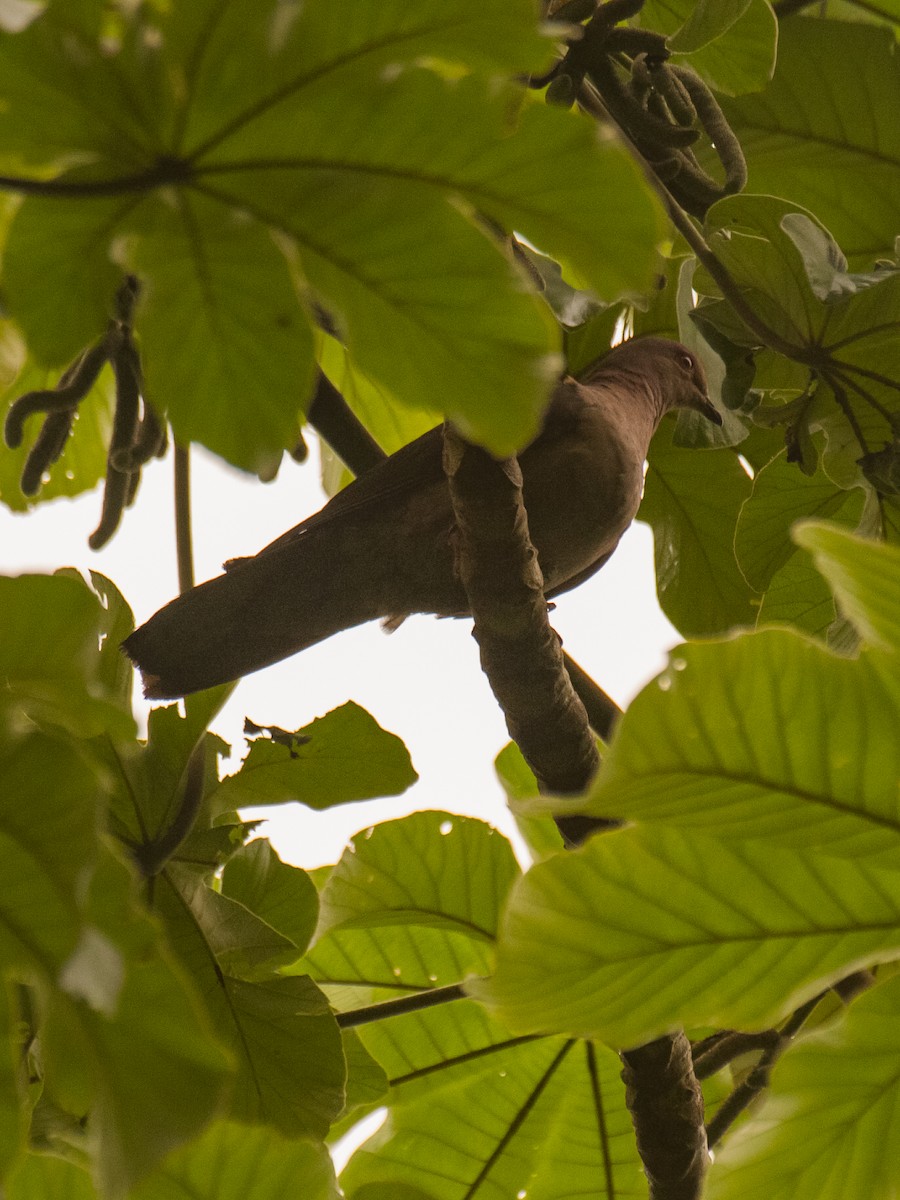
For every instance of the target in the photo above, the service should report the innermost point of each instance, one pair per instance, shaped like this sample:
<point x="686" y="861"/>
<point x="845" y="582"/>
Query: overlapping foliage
<point x="296" y="187"/>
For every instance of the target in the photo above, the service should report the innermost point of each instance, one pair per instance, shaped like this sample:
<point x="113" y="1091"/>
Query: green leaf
<point x="291" y="1068"/>
<point x="279" y="894"/>
<point x="341" y="757"/>
<point x="391" y="424"/>
<point x="67" y="95"/>
<point x="798" y="595"/>
<point x="708" y="20"/>
<point x="83" y="461"/>
<point x="128" y="1047"/>
<point x="215" y="285"/>
<point x="51" y="670"/>
<point x="864" y="575"/>
<point x="49" y="835"/>
<point x="367" y="1083"/>
<point x="856" y="406"/>
<point x="59" y="279"/>
<point x="41" y="1177"/>
<point x="518" y="782"/>
<point x="760" y="737"/>
<point x="431" y="868"/>
<point x="245" y="946"/>
<point x="822" y="131"/>
<point x="781" y="495"/>
<point x="691" y="501"/>
<point x="281" y="1035"/>
<point x="284" y="55"/>
<point x="547" y="1118"/>
<point x="731" y="45"/>
<point x="645" y="929"/>
<point x="830" y="1111"/>
<point x="743" y="58"/>
<point x="234" y="1162"/>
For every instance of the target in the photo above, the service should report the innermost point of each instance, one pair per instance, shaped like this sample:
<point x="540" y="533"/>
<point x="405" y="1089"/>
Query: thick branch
<point x="523" y="661"/>
<point x="666" y="1106"/>
<point x="520" y="653"/>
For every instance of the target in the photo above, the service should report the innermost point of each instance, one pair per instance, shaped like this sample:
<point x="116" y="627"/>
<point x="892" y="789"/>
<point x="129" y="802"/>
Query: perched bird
<point x="382" y="547"/>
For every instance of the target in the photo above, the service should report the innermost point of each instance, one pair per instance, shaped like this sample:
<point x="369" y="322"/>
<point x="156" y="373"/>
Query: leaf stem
<point x="398" y="1008"/>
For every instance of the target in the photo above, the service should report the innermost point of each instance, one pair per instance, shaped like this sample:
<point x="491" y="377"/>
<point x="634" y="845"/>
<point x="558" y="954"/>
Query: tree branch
<point x="523" y="661"/>
<point x="520" y="653"/>
<point x="334" y="420"/>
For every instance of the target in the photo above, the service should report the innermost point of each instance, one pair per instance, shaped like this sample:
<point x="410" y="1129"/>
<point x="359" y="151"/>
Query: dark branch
<point x="333" y="419"/>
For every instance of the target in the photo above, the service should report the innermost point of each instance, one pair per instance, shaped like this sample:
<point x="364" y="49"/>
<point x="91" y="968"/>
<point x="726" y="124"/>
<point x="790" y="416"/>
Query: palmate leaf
<point x="845" y="326"/>
<point x="538" y="1113"/>
<point x="822" y="131"/>
<point x="547" y="1118"/>
<point x="828" y="1119"/>
<point x="266" y="127"/>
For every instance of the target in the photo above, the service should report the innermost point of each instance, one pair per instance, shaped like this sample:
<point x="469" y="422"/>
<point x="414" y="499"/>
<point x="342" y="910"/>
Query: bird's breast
<point x="578" y="513"/>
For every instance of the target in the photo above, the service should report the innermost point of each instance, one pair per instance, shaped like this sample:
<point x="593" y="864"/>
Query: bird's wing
<point x="411" y="469"/>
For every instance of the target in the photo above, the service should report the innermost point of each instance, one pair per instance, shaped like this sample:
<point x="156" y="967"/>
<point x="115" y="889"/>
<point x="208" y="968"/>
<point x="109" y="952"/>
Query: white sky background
<point x="423" y="682"/>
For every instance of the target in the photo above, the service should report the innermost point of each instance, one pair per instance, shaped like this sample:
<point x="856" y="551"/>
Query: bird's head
<point x="674" y="373"/>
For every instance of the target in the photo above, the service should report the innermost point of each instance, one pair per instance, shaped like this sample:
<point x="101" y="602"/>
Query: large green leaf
<point x="279" y="894"/>
<point x="647" y="929"/>
<point x="823" y="133"/>
<point x="216" y="286"/>
<point x="274" y="121"/>
<point x="731" y="44"/>
<point x="865" y="578"/>
<point x="280" y="1032"/>
<point x="781" y="495"/>
<point x="60" y="281"/>
<point x="763" y="737"/>
<point x="431" y="868"/>
<point x="547" y="1118"/>
<point x="341" y="757"/>
<point x="829" y="1118"/>
<point x="691" y="501"/>
<point x="124" y="1041"/>
<point x="49" y="839"/>
<point x="234" y="1162"/>
<point x="798" y="595"/>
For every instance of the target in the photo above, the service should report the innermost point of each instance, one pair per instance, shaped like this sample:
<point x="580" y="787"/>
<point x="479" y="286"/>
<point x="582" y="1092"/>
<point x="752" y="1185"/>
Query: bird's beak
<point x="701" y="403"/>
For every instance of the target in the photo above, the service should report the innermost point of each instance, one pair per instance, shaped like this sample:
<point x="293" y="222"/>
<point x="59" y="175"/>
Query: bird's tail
<point x="260" y="611"/>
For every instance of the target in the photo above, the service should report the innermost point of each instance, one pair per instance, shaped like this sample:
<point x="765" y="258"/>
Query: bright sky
<point x="423" y="682"/>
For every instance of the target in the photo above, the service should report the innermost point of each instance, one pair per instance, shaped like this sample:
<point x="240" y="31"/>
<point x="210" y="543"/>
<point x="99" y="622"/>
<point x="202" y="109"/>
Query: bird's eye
<point x="686" y="361"/>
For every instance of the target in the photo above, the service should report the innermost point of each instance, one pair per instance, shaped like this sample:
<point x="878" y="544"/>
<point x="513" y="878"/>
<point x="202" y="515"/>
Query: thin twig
<point x="184" y="549"/>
